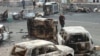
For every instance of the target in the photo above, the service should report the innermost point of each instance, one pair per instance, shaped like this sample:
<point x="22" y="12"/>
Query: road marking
<point x="83" y="22"/>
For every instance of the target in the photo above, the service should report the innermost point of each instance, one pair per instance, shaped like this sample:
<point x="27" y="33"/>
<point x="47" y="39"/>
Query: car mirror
<point x="97" y="48"/>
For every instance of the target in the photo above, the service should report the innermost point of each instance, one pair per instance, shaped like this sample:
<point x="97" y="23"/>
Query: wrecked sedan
<point x="78" y="38"/>
<point x="40" y="48"/>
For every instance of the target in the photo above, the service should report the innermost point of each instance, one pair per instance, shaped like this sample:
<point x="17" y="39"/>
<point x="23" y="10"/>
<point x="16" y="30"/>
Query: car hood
<point x="65" y="49"/>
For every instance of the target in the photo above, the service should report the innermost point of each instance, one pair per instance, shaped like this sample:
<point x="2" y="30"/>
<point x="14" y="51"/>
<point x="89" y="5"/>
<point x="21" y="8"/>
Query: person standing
<point x="23" y="4"/>
<point x="34" y="3"/>
<point x="62" y="20"/>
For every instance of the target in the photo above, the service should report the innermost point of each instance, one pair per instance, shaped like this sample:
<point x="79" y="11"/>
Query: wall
<point x="79" y="1"/>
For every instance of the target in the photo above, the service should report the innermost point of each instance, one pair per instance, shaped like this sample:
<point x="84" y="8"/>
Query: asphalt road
<point x="90" y="21"/>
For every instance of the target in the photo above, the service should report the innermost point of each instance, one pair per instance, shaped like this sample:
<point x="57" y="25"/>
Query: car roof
<point x="39" y="18"/>
<point x="75" y="29"/>
<point x="33" y="44"/>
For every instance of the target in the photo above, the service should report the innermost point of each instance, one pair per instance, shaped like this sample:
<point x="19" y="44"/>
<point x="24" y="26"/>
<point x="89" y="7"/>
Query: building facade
<point x="29" y="2"/>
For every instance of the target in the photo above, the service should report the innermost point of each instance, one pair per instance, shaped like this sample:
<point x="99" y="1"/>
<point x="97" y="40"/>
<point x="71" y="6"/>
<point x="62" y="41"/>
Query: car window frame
<point x="45" y="50"/>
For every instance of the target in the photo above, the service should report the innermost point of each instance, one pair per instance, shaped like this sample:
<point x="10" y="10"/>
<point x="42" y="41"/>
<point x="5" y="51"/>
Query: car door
<point x="50" y="50"/>
<point x="5" y="35"/>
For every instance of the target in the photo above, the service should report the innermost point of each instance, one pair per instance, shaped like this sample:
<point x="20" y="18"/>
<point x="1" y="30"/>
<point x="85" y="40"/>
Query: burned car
<point x="40" y="48"/>
<point x="4" y="16"/>
<point x="78" y="38"/>
<point x="4" y="34"/>
<point x="50" y="8"/>
<point x="42" y="28"/>
<point x="18" y="15"/>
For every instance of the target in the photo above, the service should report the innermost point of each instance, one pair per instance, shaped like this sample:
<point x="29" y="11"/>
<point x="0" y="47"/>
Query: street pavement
<point x="90" y="21"/>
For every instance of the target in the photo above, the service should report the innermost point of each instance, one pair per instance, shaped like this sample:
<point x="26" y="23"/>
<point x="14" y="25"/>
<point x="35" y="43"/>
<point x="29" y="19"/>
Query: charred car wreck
<point x="4" y="16"/>
<point x="18" y="15"/>
<point x="40" y="48"/>
<point x="79" y="39"/>
<point x="42" y="28"/>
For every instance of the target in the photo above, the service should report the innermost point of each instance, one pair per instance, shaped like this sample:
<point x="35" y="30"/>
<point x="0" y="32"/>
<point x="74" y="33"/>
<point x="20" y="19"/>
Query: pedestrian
<point x="23" y="4"/>
<point x="62" y="20"/>
<point x="34" y="4"/>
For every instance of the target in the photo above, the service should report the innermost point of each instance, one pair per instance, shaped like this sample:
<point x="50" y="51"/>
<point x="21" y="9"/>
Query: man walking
<point x="34" y="3"/>
<point x="23" y="4"/>
<point x="62" y="20"/>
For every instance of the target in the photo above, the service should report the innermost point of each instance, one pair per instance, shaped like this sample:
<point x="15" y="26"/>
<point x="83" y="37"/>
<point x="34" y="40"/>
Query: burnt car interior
<point x="78" y="38"/>
<point x="42" y="50"/>
<point x="17" y="51"/>
<point x="78" y="42"/>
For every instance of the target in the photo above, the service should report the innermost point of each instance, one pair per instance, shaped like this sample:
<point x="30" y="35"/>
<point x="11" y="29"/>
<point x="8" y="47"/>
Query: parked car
<point x="41" y="48"/>
<point x="78" y="38"/>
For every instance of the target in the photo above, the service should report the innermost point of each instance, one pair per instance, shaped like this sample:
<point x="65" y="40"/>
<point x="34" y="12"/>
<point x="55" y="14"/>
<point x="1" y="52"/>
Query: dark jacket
<point x="34" y="3"/>
<point x="61" y="19"/>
